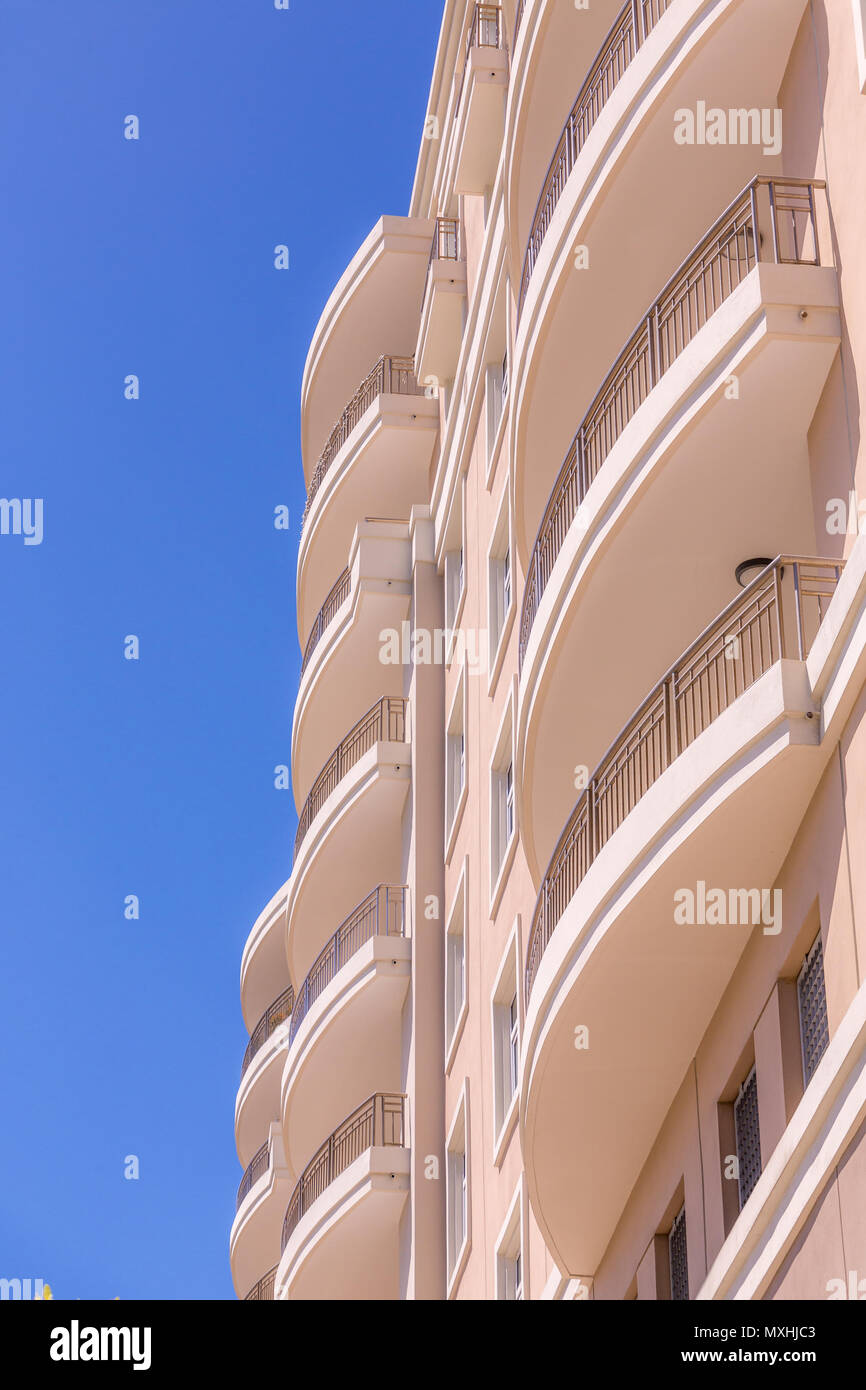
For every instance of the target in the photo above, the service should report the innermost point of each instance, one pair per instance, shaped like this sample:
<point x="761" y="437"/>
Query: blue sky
<point x="155" y="778"/>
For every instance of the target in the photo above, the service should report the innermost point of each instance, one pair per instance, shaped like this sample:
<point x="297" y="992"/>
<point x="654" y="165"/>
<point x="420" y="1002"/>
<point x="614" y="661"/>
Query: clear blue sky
<point x="155" y="257"/>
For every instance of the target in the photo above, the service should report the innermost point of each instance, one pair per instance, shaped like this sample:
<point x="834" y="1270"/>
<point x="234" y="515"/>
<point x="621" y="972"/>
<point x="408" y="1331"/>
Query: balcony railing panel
<point x="378" y="1123"/>
<point x="485" y="31"/>
<point x="257" y="1167"/>
<point x="772" y="220"/>
<point x="633" y="25"/>
<point x="277" y="1013"/>
<point x="382" y="913"/>
<point x="777" y="616"/>
<point x="447" y="242"/>
<point x="326" y="614"/>
<point x="384" y="723"/>
<point x="264" y="1289"/>
<point x="391" y="375"/>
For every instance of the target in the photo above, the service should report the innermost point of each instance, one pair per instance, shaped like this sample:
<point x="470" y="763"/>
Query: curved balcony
<point x="255" y="1169"/>
<point x="373" y="309"/>
<point x="349" y="829"/>
<point x="375" y="462"/>
<point x="258" y="1096"/>
<point x="384" y="723"/>
<point x="328" y="611"/>
<point x="706" y="785"/>
<point x="263" y="1291"/>
<point x="340" y="1237"/>
<point x="346" y="1023"/>
<point x="264" y="1189"/>
<point x="631" y="28"/>
<point x="391" y="376"/>
<point x="263" y="964"/>
<point x="342" y="672"/>
<point x="711" y="400"/>
<point x="590" y="255"/>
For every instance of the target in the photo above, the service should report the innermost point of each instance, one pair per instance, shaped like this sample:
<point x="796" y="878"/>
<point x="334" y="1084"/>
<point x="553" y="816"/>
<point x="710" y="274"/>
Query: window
<point x="506" y="1039"/>
<point x="455" y="965"/>
<point x="678" y="1256"/>
<point x="455" y="759"/>
<point x="453" y="585"/>
<point x="496" y="394"/>
<point x="501" y="801"/>
<point x="509" y="1256"/>
<point x="748" y="1134"/>
<point x="812" y="1001"/>
<point x="859" y="7"/>
<point x="454" y="567"/>
<point x="499" y="581"/>
<point x="457" y="1191"/>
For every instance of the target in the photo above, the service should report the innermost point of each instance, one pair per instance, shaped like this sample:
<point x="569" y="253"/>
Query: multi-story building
<point x="562" y="997"/>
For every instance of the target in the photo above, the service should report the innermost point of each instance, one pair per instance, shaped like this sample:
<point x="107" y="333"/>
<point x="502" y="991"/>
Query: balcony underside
<point x="696" y="483"/>
<point x="642" y="984"/>
<point x="381" y="471"/>
<point x="373" y="310"/>
<point x="728" y="54"/>
<point x="258" y="1098"/>
<point x="346" y="676"/>
<point x="347" y="1246"/>
<point x="264" y="970"/>
<point x="347" y="1047"/>
<point x="254" y="1244"/>
<point x="441" y="330"/>
<point x="355" y="840"/>
<point x="478" y="136"/>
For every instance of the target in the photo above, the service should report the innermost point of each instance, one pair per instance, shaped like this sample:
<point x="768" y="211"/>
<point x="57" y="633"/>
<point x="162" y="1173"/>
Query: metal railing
<point x="378" y="1123"/>
<point x="518" y="18"/>
<point x="382" y="913"/>
<point x="785" y="209"/>
<point x="631" y="28"/>
<point x="485" y="31"/>
<point x="257" y="1166"/>
<point x="279" y="1011"/>
<point x="264" y="1289"/>
<point x="384" y="723"/>
<point x="754" y="632"/>
<point x="335" y="600"/>
<point x="446" y="244"/>
<point x="391" y="375"/>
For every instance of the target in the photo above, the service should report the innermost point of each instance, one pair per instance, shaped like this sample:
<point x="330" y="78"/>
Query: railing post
<point x="798" y="609"/>
<point x="771" y="186"/>
<point x="672" y="739"/>
<point x="813" y="217"/>
<point x="654" y="346"/>
<point x="637" y="21"/>
<point x="780" y="627"/>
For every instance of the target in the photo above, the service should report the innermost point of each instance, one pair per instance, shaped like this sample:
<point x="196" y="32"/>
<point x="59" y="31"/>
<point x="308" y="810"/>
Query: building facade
<point x="562" y="996"/>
